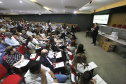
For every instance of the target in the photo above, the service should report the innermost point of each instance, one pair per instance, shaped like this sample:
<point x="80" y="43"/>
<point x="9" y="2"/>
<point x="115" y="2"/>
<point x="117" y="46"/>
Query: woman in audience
<point x="80" y="49"/>
<point x="20" y="38"/>
<point x="86" y="78"/>
<point x="72" y="47"/>
<point x="80" y="63"/>
<point x="14" y="57"/>
<point x="32" y="46"/>
<point x="24" y="35"/>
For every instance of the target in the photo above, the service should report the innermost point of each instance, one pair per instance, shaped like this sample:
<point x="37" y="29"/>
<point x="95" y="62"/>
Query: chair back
<point x="3" y="71"/>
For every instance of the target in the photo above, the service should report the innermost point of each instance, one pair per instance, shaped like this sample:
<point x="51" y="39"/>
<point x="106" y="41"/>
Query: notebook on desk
<point x="92" y="65"/>
<point x="99" y="80"/>
<point x="22" y="64"/>
<point x="59" y="55"/>
<point x="60" y="64"/>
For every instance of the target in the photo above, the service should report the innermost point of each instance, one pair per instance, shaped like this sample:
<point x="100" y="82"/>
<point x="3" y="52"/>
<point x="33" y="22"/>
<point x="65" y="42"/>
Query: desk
<point x="88" y="33"/>
<point x="120" y="44"/>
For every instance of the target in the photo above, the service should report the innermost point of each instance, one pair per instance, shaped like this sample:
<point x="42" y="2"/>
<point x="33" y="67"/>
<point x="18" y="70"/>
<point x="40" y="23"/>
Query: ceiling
<point x="95" y="4"/>
<point x="51" y="6"/>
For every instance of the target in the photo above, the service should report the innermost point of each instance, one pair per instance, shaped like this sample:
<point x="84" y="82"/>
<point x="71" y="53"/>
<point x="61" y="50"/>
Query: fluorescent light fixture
<point x="33" y="0"/>
<point x="75" y="12"/>
<point x="20" y="1"/>
<point x="0" y="1"/>
<point x="46" y="8"/>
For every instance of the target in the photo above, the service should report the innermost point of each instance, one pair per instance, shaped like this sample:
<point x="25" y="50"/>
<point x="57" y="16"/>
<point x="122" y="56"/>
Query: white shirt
<point x="36" y="78"/>
<point x="80" y="68"/>
<point x="35" y="41"/>
<point x="3" y="30"/>
<point x="29" y="33"/>
<point x="31" y="45"/>
<point x="11" y="41"/>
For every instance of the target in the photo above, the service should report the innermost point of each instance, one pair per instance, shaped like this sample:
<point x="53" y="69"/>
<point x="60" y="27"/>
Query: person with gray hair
<point x="10" y="40"/>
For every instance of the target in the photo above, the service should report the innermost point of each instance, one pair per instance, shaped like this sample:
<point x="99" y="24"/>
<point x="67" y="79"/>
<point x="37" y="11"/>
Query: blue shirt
<point x="2" y="47"/>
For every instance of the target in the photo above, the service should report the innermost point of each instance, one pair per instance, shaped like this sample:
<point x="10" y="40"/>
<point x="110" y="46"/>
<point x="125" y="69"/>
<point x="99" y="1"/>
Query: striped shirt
<point x="12" y="59"/>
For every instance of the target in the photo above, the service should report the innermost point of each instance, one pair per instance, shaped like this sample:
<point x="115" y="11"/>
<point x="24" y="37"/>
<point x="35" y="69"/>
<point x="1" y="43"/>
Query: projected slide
<point x="101" y="19"/>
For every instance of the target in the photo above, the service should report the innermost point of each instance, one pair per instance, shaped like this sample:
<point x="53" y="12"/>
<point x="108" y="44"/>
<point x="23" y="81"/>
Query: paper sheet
<point x="99" y="80"/>
<point x="59" y="55"/>
<point x="60" y="64"/>
<point x="70" y="62"/>
<point x="69" y="53"/>
<point x="32" y="56"/>
<point x="92" y="65"/>
<point x="38" y="58"/>
<point x="22" y="64"/>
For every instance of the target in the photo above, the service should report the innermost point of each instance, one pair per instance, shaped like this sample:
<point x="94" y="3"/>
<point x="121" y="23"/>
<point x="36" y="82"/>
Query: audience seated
<point x="72" y="47"/>
<point x="39" y="74"/>
<point x="51" y="63"/>
<point x="24" y="35"/>
<point x="29" y="33"/>
<point x="86" y="78"/>
<point x="10" y="40"/>
<point x="2" y="35"/>
<point x="14" y="57"/>
<point x="80" y="63"/>
<point x="80" y="49"/>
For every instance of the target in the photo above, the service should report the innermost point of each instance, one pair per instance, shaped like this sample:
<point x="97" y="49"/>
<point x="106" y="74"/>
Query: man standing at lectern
<point x="95" y="33"/>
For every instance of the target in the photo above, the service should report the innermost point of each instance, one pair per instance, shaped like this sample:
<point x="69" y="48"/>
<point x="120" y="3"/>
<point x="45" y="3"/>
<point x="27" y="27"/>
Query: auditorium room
<point x="62" y="41"/>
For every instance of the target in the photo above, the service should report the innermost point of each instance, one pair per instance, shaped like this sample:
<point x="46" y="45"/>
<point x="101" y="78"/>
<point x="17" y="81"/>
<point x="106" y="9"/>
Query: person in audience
<point x="24" y="35"/>
<point x="2" y="35"/>
<point x="80" y="49"/>
<point x="14" y="57"/>
<point x="20" y="38"/>
<point x="8" y="30"/>
<point x="51" y="63"/>
<point x="3" y="29"/>
<point x="10" y="40"/>
<point x="39" y="74"/>
<point x="95" y="33"/>
<point x="32" y="46"/>
<point x="72" y="47"/>
<point x="3" y="45"/>
<point x="80" y="63"/>
<point x="86" y="78"/>
<point x="53" y="45"/>
<point x="29" y="33"/>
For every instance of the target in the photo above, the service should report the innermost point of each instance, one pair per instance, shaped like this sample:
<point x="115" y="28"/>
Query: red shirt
<point x="3" y="36"/>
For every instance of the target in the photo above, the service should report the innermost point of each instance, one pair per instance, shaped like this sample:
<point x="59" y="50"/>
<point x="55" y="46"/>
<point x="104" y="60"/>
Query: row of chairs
<point x="119" y="26"/>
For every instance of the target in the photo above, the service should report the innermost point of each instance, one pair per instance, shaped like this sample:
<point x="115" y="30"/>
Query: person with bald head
<point x="46" y="61"/>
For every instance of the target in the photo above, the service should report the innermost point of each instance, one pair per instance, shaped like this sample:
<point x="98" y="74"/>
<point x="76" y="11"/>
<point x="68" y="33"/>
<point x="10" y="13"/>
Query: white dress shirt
<point x="29" y="33"/>
<point x="35" y="41"/>
<point x="36" y="78"/>
<point x="11" y="41"/>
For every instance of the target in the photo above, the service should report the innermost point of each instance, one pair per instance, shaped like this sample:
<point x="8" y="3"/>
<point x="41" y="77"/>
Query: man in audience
<point x="10" y="40"/>
<point x="51" y="63"/>
<point x="2" y="35"/>
<point x="29" y="33"/>
<point x="2" y="50"/>
<point x="24" y="35"/>
<point x="39" y="74"/>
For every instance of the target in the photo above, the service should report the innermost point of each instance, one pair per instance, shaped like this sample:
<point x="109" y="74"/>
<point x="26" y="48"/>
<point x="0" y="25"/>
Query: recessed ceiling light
<point x="33" y="0"/>
<point x="0" y="1"/>
<point x="20" y="1"/>
<point x="20" y="11"/>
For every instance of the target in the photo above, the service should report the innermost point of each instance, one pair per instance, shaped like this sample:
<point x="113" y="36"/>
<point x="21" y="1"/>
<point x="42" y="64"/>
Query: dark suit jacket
<point x="46" y="63"/>
<point x="95" y="31"/>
